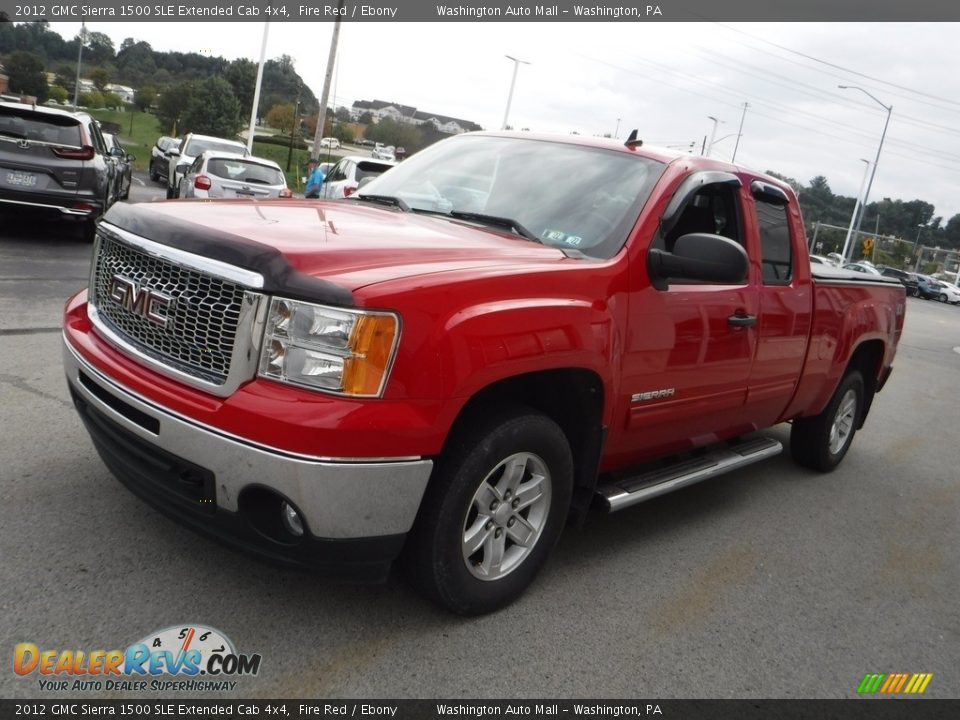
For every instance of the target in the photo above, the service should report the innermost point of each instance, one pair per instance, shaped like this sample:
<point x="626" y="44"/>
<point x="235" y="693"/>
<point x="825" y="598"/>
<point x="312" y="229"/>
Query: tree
<point x="212" y="109"/>
<point x="343" y="132"/>
<point x="390" y="132"/>
<point x="342" y="114"/>
<point x="99" y="48"/>
<point x="59" y="93"/>
<point x="366" y="118"/>
<point x="145" y="97"/>
<point x="281" y="117"/>
<point x="242" y="76"/>
<point x="25" y="70"/>
<point x="100" y="78"/>
<point x="170" y="106"/>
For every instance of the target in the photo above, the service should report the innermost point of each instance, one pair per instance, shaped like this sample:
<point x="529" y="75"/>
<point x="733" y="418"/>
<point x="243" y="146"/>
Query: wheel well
<point x="573" y="398"/>
<point x="867" y="359"/>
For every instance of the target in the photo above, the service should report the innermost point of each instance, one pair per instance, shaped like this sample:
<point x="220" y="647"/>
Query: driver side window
<point x="715" y="209"/>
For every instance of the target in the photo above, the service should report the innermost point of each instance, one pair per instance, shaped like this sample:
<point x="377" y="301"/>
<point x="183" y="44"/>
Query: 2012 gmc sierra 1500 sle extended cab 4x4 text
<point x="489" y="339"/>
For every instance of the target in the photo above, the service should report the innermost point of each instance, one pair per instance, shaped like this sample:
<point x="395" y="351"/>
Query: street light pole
<point x="916" y="266"/>
<point x="856" y="208"/>
<point x="713" y="133"/>
<point x="740" y="132"/>
<point x="76" y="88"/>
<point x="513" y="82"/>
<point x="617" y="131"/>
<point x="889" y="109"/>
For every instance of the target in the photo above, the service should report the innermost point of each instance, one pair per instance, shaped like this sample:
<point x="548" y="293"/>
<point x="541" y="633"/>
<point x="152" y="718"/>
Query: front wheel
<point x="494" y="509"/>
<point x="820" y="442"/>
<point x="942" y="297"/>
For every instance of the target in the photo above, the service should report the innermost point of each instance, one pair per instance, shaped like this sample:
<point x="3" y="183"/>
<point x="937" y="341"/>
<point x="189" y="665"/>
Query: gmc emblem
<point x="140" y="301"/>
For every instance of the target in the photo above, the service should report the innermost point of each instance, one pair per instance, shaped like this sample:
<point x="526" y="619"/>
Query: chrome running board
<point x="632" y="490"/>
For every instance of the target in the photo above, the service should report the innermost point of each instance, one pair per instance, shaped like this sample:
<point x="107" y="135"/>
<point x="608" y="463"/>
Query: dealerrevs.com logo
<point x="197" y="657"/>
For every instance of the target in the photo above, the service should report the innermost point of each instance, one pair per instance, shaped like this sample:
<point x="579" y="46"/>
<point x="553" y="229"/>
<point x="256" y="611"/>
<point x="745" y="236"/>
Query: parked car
<point x="193" y="145"/>
<point x="159" y="160"/>
<point x="819" y="260"/>
<point x="330" y="143"/>
<point x="927" y="287"/>
<point x="383" y="152"/>
<point x="862" y="267"/>
<point x="346" y="175"/>
<point x="948" y="294"/>
<point x="123" y="166"/>
<point x="54" y="163"/>
<point x="363" y="142"/>
<point x="217" y="174"/>
<point x="337" y="386"/>
<point x="908" y="279"/>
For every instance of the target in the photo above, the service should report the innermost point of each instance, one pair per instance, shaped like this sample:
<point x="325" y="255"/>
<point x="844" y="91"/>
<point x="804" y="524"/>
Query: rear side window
<point x="247" y="172"/>
<point x="59" y="130"/>
<point x="775" y="246"/>
<point x="198" y="147"/>
<point x="370" y="169"/>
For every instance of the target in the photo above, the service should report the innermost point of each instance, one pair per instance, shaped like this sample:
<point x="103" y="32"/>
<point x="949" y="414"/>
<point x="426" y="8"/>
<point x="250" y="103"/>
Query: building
<point x="381" y="109"/>
<point x="123" y="92"/>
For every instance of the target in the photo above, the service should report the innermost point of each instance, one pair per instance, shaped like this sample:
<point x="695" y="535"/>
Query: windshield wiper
<point x="384" y="199"/>
<point x="508" y="223"/>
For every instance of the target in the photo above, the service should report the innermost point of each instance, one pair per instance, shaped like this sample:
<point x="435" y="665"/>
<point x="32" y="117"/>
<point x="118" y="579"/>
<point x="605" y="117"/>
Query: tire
<point x="821" y="442"/>
<point x="170" y="194"/>
<point x="494" y="509"/>
<point x="942" y="297"/>
<point x="154" y="175"/>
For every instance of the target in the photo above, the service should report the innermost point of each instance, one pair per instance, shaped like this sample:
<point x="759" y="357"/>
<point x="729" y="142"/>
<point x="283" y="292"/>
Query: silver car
<point x="216" y="174"/>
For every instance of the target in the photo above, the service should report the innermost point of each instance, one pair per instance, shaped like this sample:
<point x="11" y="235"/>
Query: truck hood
<point x="349" y="243"/>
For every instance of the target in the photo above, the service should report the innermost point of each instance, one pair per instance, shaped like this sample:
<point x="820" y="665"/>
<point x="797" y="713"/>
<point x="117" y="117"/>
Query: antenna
<point x="632" y="141"/>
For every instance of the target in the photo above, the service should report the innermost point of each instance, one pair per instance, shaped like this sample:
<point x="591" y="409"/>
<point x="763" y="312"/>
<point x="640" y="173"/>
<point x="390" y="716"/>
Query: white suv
<point x="193" y="146"/>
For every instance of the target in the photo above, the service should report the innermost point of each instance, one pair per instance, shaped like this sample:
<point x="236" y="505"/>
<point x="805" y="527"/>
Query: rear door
<point x="786" y="303"/>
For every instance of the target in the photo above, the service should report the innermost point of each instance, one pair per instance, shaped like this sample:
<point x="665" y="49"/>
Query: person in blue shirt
<point x="315" y="178"/>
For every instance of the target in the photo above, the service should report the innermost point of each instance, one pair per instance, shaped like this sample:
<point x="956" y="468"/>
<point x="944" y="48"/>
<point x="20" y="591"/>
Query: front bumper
<point x="355" y="514"/>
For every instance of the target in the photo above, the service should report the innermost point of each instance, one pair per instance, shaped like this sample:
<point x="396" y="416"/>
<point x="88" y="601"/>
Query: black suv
<point x="55" y="163"/>
<point x="909" y="280"/>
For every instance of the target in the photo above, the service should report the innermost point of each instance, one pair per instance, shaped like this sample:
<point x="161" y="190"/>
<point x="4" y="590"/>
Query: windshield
<point x="568" y="196"/>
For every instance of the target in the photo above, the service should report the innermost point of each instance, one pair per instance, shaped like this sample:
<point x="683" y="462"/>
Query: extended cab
<point x="489" y="339"/>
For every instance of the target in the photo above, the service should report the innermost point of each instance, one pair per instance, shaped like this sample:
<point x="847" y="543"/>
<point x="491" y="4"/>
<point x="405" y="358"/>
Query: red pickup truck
<point x="489" y="339"/>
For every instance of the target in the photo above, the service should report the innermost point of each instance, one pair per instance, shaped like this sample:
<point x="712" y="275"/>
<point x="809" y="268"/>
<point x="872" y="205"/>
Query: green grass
<point x="146" y="130"/>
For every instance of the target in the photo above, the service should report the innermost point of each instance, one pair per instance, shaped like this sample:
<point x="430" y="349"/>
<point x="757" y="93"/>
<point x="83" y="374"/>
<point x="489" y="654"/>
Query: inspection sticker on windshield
<point x="560" y="236"/>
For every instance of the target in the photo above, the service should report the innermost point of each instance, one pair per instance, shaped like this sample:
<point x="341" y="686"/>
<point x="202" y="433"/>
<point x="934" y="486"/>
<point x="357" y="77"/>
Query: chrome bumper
<point x="338" y="499"/>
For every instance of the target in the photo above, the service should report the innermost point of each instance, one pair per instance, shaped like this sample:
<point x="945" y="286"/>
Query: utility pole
<point x="740" y="131"/>
<point x="256" y="90"/>
<point x="76" y="88"/>
<point x="325" y="93"/>
<point x="296" y="124"/>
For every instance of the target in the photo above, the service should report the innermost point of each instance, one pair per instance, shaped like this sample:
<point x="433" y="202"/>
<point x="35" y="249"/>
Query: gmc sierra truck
<point x="488" y="340"/>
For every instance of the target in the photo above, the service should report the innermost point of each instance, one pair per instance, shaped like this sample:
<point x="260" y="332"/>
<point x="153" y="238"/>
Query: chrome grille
<point x="201" y="329"/>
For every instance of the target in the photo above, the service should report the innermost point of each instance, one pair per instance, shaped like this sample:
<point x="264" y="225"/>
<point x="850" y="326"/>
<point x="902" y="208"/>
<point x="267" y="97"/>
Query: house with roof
<point x="380" y="109"/>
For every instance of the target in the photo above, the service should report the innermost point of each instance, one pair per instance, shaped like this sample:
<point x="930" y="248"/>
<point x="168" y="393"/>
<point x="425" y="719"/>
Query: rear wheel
<point x="154" y="175"/>
<point x="494" y="509"/>
<point x="822" y="441"/>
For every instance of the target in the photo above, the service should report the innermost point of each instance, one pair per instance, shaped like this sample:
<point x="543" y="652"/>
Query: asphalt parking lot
<point x="770" y="582"/>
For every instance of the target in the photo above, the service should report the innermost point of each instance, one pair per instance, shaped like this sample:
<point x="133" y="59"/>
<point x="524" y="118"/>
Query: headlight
<point x="342" y="351"/>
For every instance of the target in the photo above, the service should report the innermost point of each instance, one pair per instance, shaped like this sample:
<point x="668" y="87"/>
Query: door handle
<point x="742" y="320"/>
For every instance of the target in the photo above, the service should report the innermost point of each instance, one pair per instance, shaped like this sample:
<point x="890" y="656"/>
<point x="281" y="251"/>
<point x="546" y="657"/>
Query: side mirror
<point x="131" y="158"/>
<point x="699" y="256"/>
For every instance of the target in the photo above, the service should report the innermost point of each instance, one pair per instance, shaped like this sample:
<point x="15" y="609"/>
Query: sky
<point x="664" y="79"/>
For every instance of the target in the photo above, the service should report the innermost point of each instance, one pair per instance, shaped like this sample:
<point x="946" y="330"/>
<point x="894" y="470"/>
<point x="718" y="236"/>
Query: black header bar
<point x="865" y="11"/>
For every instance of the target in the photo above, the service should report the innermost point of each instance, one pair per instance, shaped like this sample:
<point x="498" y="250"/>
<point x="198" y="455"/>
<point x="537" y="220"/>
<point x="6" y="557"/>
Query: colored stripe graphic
<point x="894" y="683"/>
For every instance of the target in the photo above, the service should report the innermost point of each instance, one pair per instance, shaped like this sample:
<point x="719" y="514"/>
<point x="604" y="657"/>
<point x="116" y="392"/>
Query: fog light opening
<point x="292" y="522"/>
